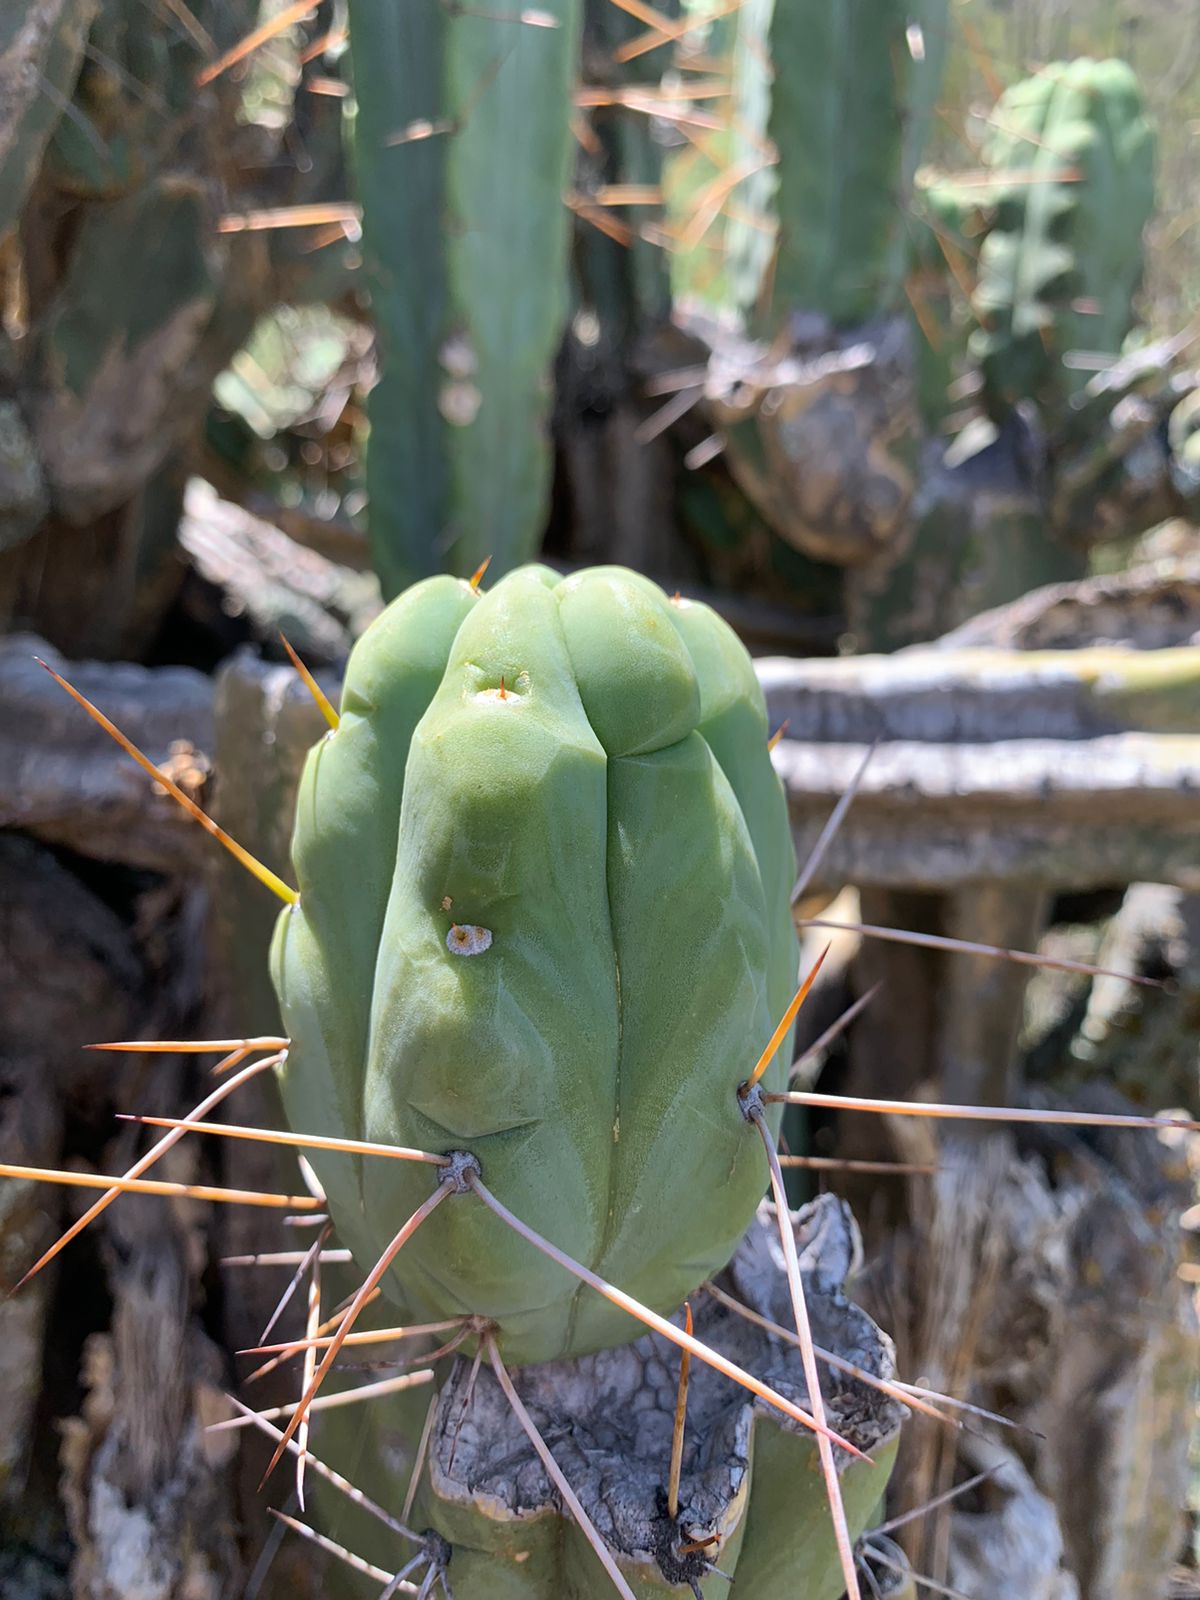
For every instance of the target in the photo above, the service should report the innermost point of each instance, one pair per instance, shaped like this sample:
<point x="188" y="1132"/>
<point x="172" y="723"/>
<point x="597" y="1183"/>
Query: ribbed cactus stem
<point x="1073" y="155"/>
<point x="544" y="865"/>
<point x="462" y="149"/>
<point x="851" y="100"/>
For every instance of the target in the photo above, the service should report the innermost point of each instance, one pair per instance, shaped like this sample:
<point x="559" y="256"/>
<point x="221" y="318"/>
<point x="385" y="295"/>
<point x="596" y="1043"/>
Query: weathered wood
<point x="982" y="1000"/>
<point x="936" y="816"/>
<point x="67" y="965"/>
<point x="1016" y="773"/>
<point x="148" y="1502"/>
<point x="976" y="696"/>
<point x="1011" y="1544"/>
<point x="1145" y="1040"/>
<point x="277" y="583"/>
<point x="965" y="787"/>
<point x="1065" y="769"/>
<point x="144" y="1491"/>
<point x="1042" y="1280"/>
<point x="63" y="779"/>
<point x="1151" y="607"/>
<point x="266" y="721"/>
<point x="148" y="1496"/>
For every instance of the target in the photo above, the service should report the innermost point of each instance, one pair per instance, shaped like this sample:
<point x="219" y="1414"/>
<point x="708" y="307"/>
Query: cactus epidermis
<point x="544" y="868"/>
<point x="1074" y="159"/>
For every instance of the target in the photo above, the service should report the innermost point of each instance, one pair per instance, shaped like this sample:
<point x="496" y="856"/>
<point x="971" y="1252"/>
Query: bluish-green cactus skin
<point x="579" y="767"/>
<point x="850" y="107"/>
<point x="1058" y="271"/>
<point x="466" y="242"/>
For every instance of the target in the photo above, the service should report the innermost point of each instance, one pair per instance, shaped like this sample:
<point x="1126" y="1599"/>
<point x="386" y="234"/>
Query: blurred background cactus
<point x="871" y="324"/>
<point x="128" y="288"/>
<point x="462" y="149"/>
<point x="1061" y="262"/>
<point x="940" y="404"/>
<point x="863" y="340"/>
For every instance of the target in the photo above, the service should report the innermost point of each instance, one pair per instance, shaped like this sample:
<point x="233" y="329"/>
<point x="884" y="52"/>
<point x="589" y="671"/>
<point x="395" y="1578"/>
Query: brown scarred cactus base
<point x="750" y="1479"/>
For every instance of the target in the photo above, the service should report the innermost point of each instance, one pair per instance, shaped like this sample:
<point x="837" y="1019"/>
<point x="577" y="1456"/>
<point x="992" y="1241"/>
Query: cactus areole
<point x="544" y="867"/>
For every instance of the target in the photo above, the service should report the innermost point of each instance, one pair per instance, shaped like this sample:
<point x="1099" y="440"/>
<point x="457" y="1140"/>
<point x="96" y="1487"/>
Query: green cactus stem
<point x="852" y="97"/>
<point x="544" y="866"/>
<point x="1073" y="155"/>
<point x="462" y="148"/>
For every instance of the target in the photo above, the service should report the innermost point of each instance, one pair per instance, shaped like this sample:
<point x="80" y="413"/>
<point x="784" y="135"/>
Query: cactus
<point x="847" y="157"/>
<point x="1019" y="496"/>
<point x="946" y="219"/>
<point x="581" y="767"/>
<point x="41" y="47"/>
<point x="421" y="769"/>
<point x="135" y="303"/>
<point x="544" y="865"/>
<point x="834" y="429"/>
<point x="462" y="147"/>
<point x="825" y="445"/>
<point x="833" y="257"/>
<point x="1074" y="159"/>
<point x="626" y="284"/>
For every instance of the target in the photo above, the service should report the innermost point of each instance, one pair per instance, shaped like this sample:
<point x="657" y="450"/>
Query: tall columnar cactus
<point x="851" y="94"/>
<point x="544" y="866"/>
<point x="625" y="282"/>
<point x="825" y="444"/>
<point x="1073" y="157"/>
<point x="462" y="148"/>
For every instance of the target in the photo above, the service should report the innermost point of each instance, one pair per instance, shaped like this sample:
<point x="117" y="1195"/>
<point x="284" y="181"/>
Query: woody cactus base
<point x="750" y="1478"/>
